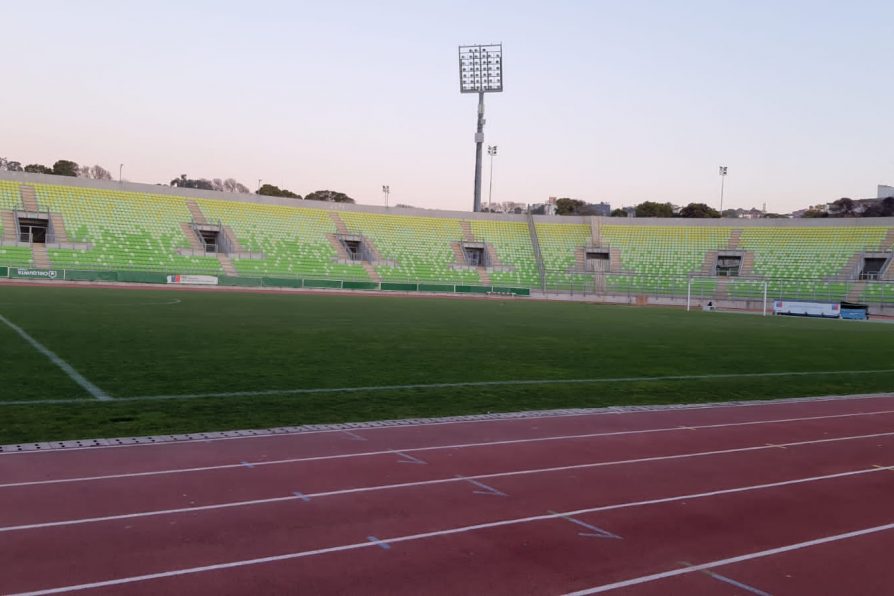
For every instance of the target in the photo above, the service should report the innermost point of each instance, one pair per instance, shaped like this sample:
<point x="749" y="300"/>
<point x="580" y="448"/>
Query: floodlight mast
<point x="480" y="71"/>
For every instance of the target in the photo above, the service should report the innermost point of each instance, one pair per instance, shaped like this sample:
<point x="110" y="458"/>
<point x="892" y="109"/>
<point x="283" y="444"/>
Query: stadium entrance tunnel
<point x="597" y="259"/>
<point x="728" y="265"/>
<point x="874" y="267"/>
<point x="34" y="228"/>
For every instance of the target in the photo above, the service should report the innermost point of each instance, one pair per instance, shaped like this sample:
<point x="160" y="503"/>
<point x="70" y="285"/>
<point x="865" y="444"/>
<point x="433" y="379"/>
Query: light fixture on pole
<point x="259" y="187"/>
<point x="386" y="190"/>
<point x="492" y="151"/>
<point x="480" y="71"/>
<point x="722" y="179"/>
<point x="120" y="169"/>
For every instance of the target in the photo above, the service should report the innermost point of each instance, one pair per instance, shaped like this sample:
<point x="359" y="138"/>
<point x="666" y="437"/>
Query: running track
<point x="777" y="498"/>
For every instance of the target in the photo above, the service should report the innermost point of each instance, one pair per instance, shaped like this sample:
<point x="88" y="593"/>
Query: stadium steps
<point x="227" y="265"/>
<point x="232" y="242"/>
<point x="856" y="291"/>
<point x="721" y="290"/>
<point x="8" y="220"/>
<point x="192" y="237"/>
<point x="57" y="225"/>
<point x="615" y="260"/>
<point x="468" y="235"/>
<point x="746" y="269"/>
<point x="709" y="265"/>
<point x="580" y="258"/>
<point x="595" y="237"/>
<point x="734" y="237"/>
<point x="851" y="269"/>
<point x="29" y="198"/>
<point x="196" y="212"/>
<point x="538" y="255"/>
<point x="339" y="223"/>
<point x="40" y="256"/>
<point x="458" y="254"/>
<point x="371" y="271"/>
<point x="340" y="251"/>
<point x="493" y="259"/>
<point x="484" y="276"/>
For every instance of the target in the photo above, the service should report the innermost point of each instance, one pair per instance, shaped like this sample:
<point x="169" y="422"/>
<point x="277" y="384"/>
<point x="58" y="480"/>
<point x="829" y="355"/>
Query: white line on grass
<point x="65" y="366"/>
<point x="518" y="382"/>
<point x="454" y="479"/>
<point x="732" y="560"/>
<point x="440" y="447"/>
<point x="489" y="525"/>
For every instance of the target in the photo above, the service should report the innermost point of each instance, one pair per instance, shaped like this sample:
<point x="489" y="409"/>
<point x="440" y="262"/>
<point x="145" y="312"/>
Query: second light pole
<point x="491" y="151"/>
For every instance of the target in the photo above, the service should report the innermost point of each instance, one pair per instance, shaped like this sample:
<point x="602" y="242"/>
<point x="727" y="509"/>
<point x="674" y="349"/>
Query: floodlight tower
<point x="480" y="71"/>
<point x="722" y="179"/>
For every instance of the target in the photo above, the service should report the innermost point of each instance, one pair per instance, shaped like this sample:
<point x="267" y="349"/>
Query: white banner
<point x="201" y="280"/>
<point x="809" y="309"/>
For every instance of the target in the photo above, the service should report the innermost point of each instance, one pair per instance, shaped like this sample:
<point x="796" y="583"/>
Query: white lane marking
<point x="471" y="418"/>
<point x="732" y="560"/>
<point x="68" y="369"/>
<point x="435" y="448"/>
<point x="730" y="581"/>
<point x="472" y="479"/>
<point x="466" y="529"/>
<point x="505" y="383"/>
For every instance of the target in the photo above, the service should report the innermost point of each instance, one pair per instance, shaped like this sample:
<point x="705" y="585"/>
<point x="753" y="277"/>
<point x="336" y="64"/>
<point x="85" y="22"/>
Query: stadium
<point x="209" y="390"/>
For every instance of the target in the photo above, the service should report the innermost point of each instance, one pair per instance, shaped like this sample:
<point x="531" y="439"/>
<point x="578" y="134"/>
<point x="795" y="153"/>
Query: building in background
<point x="885" y="191"/>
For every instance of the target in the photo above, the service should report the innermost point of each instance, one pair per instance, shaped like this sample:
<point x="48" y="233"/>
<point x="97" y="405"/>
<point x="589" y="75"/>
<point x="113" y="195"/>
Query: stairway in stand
<point x="29" y="198"/>
<point x="40" y="256"/>
<point x="226" y="264"/>
<point x="371" y="271"/>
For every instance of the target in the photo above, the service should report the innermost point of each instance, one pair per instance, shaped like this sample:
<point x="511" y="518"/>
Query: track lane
<point x="111" y="549"/>
<point x="55" y="502"/>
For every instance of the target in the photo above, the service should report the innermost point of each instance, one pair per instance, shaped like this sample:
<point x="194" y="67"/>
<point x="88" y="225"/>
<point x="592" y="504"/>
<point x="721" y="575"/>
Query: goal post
<point x="763" y="296"/>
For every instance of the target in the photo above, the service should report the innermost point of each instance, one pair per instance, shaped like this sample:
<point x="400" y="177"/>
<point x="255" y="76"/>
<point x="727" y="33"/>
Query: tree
<point x="884" y="208"/>
<point x="652" y="209"/>
<point x="815" y="213"/>
<point x="566" y="206"/>
<point x="731" y="213"/>
<point x="36" y="168"/>
<point x="843" y="207"/>
<point x="231" y="185"/>
<point x="328" y="195"/>
<point x="275" y="191"/>
<point x="95" y="173"/>
<point x="619" y="212"/>
<point x="184" y="182"/>
<point x="9" y="165"/>
<point x="698" y="210"/>
<point x="65" y="167"/>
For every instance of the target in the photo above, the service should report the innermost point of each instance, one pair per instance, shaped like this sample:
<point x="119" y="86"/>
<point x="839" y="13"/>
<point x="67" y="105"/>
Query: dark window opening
<point x="209" y="239"/>
<point x="474" y="256"/>
<point x="353" y="248"/>
<point x="33" y="230"/>
<point x="598" y="260"/>
<point x="728" y="266"/>
<point x="872" y="267"/>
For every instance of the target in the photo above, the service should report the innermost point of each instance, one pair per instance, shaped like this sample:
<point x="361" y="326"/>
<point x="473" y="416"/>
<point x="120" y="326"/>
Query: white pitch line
<point x="732" y="560"/>
<point x="481" y="526"/>
<point x="515" y="383"/>
<point x="433" y="448"/>
<point x="505" y="383"/>
<point x="65" y="366"/>
<point x="455" y="479"/>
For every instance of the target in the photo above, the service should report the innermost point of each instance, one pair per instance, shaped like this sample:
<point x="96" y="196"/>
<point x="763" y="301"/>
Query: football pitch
<point x="89" y="362"/>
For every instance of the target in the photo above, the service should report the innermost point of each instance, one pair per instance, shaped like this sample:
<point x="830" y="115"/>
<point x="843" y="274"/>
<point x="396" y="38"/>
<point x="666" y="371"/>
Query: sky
<point x="603" y="101"/>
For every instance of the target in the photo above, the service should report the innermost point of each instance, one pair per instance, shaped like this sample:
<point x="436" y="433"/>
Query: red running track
<point x="776" y="498"/>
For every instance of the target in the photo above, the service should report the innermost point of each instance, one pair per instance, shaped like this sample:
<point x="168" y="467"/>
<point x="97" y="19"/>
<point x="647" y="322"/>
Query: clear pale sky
<point x="604" y="101"/>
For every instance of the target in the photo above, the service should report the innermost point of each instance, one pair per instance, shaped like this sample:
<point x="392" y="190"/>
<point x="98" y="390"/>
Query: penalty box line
<point x="68" y="369"/>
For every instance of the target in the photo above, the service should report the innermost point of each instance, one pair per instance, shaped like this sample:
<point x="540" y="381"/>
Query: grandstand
<point x="82" y="230"/>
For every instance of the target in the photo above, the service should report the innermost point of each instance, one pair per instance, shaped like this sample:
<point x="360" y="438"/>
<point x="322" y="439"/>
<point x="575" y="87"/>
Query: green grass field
<point x="138" y="346"/>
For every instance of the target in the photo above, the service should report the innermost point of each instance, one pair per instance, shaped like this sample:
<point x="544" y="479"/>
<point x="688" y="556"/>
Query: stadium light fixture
<point x="120" y="169"/>
<point x="492" y="151"/>
<point x="386" y="190"/>
<point x="480" y="71"/>
<point x="722" y="179"/>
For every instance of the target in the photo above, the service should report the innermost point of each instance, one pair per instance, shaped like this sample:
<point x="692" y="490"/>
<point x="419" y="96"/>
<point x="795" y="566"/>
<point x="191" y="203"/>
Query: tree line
<point x="846" y="207"/>
<point x="567" y="206"/>
<point x="66" y="167"/>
